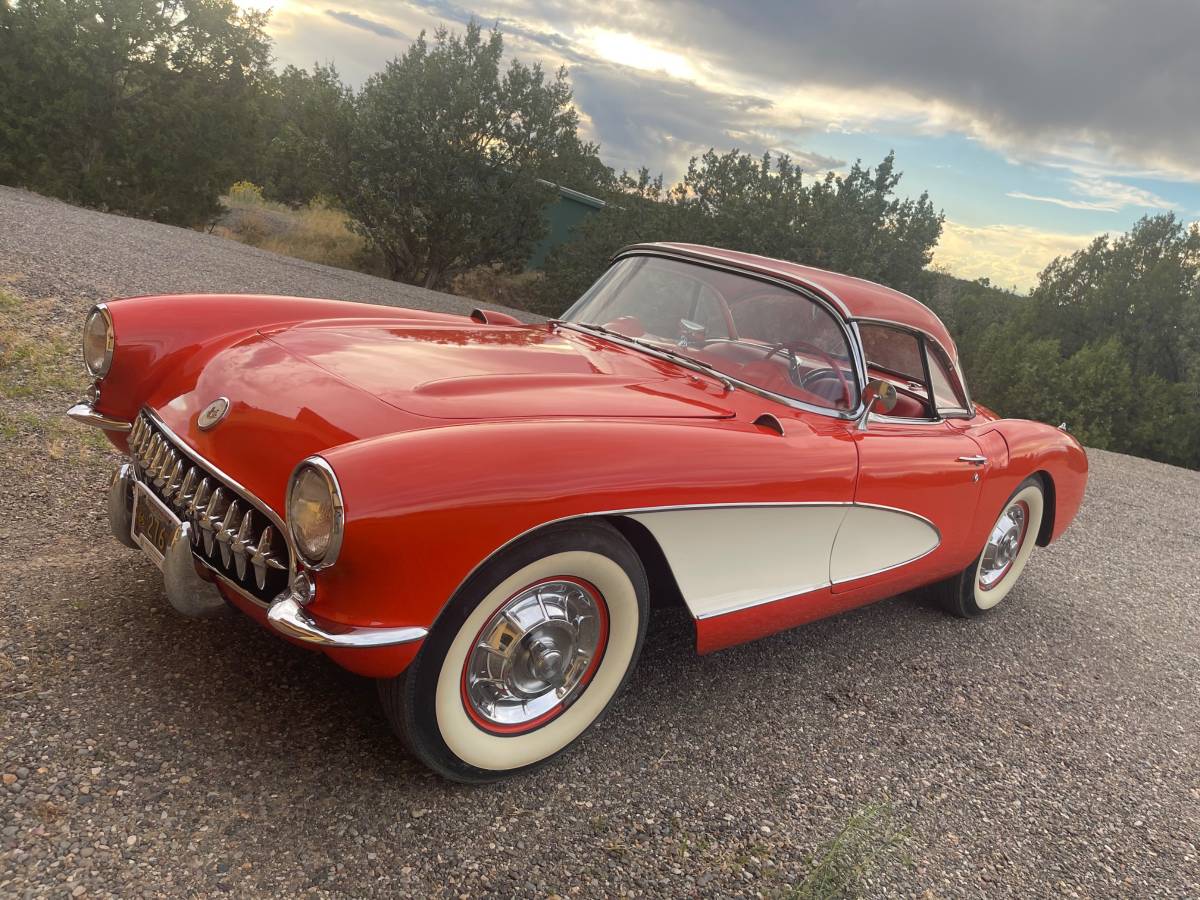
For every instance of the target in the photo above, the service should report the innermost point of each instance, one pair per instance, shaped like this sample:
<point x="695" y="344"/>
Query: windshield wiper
<point x="674" y="355"/>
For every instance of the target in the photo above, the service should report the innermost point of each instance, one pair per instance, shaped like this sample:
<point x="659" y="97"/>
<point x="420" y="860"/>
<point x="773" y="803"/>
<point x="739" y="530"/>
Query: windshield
<point x="759" y="333"/>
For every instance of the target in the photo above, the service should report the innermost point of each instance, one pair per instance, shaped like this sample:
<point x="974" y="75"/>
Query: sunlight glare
<point x="627" y="50"/>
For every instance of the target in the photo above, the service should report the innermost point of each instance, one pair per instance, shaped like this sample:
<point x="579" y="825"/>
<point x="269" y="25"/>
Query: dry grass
<point x="317" y="232"/>
<point x="869" y="841"/>
<point x="40" y="375"/>
<point x="321" y="233"/>
<point x="495" y="284"/>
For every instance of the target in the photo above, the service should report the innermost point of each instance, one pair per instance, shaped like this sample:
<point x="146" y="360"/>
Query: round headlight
<point x="314" y="512"/>
<point x="98" y="341"/>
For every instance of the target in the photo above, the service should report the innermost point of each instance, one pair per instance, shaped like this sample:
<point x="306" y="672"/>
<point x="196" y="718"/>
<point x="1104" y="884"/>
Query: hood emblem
<point x="213" y="413"/>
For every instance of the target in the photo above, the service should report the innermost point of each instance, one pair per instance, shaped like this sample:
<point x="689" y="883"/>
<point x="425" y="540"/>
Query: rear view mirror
<point x="878" y="397"/>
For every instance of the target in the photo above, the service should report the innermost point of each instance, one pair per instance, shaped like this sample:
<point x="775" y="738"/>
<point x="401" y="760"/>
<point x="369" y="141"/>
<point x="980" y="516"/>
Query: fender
<point x="157" y="335"/>
<point x="423" y="509"/>
<point x="1030" y="448"/>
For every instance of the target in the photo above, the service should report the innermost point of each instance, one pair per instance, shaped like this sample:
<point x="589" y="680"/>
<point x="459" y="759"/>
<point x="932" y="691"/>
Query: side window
<point x="894" y="351"/>
<point x="947" y="393"/>
<point x="896" y="356"/>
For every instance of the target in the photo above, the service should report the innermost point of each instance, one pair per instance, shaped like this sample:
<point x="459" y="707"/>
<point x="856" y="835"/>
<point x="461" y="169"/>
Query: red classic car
<point x="479" y="512"/>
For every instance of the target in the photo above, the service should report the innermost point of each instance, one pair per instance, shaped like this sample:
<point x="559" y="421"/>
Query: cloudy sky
<point x="1035" y="124"/>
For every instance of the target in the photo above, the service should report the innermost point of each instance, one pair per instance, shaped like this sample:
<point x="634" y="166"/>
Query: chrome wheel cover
<point x="1003" y="544"/>
<point x="535" y="655"/>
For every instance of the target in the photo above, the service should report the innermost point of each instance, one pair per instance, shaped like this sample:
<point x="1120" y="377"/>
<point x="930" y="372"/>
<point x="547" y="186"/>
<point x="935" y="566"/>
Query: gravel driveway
<point x="1051" y="748"/>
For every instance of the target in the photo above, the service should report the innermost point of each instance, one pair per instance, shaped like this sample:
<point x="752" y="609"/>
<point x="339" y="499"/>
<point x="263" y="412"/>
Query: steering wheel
<point x="831" y="366"/>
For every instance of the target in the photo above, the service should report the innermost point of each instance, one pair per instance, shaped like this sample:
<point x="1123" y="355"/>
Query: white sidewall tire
<point x="499" y="753"/>
<point x="1032" y="496"/>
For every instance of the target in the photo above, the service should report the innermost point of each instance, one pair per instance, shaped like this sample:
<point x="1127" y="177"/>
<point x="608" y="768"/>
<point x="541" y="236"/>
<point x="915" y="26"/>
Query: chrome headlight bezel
<point x="98" y="313"/>
<point x="337" y="517"/>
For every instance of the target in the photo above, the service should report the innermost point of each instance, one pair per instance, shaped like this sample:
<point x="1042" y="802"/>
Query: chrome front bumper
<point x="287" y="616"/>
<point x="194" y="596"/>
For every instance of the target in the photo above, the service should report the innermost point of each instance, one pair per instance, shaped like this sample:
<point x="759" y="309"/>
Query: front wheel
<point x="989" y="578"/>
<point x="529" y="653"/>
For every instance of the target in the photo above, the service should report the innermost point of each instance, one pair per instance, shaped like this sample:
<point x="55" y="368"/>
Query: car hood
<point x="452" y="371"/>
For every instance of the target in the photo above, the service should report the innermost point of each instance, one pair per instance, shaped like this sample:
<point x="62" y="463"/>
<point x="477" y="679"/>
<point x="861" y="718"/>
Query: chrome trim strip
<point x="229" y="482"/>
<point x="750" y="604"/>
<point x="83" y="413"/>
<point x="288" y="617"/>
<point x="898" y="565"/>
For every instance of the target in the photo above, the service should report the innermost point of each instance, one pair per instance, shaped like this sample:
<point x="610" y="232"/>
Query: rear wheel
<point x="529" y="654"/>
<point x="989" y="578"/>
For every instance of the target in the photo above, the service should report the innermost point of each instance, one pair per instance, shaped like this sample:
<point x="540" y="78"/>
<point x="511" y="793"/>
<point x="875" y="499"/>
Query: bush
<point x="245" y="192"/>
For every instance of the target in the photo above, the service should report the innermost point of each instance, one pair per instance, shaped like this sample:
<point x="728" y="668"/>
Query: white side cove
<point x="728" y="558"/>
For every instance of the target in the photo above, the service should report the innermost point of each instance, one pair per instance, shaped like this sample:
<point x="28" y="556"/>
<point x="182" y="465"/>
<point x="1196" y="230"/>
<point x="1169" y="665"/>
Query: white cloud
<point x="1010" y="255"/>
<point x="1059" y="201"/>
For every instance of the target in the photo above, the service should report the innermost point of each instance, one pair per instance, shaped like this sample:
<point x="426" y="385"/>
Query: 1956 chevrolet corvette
<point x="479" y="512"/>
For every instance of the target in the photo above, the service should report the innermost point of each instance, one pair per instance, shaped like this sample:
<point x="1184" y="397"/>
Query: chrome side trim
<point x="836" y="581"/>
<point x="750" y="604"/>
<point x="84" y="413"/>
<point x="288" y="617"/>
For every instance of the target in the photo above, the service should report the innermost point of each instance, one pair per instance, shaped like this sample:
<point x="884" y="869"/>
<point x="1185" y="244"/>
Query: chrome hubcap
<point x="535" y="655"/>
<point x="1003" y="545"/>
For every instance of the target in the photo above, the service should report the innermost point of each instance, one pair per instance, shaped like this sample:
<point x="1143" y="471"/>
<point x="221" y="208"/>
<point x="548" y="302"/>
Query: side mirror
<point x="878" y="396"/>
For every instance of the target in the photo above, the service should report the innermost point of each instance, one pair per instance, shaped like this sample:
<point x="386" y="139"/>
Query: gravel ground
<point x="1049" y="749"/>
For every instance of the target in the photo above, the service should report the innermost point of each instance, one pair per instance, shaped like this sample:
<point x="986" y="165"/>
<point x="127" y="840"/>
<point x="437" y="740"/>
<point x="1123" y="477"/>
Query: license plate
<point x="153" y="524"/>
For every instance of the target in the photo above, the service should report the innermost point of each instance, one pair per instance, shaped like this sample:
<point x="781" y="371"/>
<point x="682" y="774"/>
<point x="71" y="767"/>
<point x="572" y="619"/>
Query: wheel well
<point x="664" y="590"/>
<point x="1047" y="528"/>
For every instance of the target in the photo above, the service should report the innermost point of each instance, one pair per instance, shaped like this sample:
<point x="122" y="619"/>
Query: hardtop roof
<point x="856" y="298"/>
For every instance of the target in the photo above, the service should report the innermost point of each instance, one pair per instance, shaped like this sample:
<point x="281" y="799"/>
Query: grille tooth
<point x="225" y="534"/>
<point x="240" y="545"/>
<point x="262" y="559"/>
<point x="210" y="519"/>
<point x="149" y="450"/>
<point x="222" y="519"/>
<point x="158" y="452"/>
<point x="174" y="482"/>
<point x="165" y="463"/>
<point x="184" y="500"/>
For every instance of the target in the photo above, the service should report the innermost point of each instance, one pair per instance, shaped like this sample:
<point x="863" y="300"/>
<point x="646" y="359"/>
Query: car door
<point x="919" y="477"/>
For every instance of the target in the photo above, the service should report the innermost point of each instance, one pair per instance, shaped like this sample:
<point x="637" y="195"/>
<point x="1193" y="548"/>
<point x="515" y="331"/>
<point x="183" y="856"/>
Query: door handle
<point x="973" y="460"/>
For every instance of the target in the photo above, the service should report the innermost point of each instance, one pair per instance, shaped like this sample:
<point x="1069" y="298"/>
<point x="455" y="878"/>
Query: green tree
<point x="853" y="223"/>
<point x="447" y="153"/>
<point x="1140" y="287"/>
<point x="130" y="105"/>
<point x="308" y="118"/>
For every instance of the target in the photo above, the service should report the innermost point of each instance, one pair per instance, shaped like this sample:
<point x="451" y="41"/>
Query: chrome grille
<point x="230" y="533"/>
